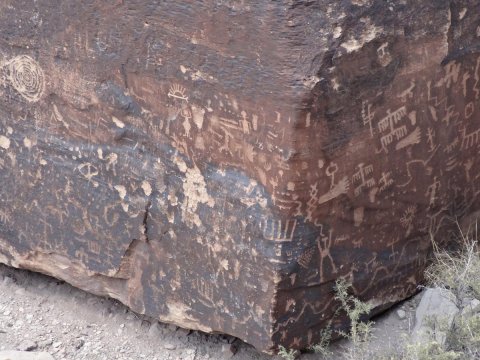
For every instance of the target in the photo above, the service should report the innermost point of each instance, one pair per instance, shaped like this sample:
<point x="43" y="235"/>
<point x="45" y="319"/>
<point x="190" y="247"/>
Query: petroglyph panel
<point x="219" y="164"/>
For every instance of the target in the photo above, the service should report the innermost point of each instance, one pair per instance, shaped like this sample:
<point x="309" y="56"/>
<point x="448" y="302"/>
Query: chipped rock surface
<point x="219" y="164"/>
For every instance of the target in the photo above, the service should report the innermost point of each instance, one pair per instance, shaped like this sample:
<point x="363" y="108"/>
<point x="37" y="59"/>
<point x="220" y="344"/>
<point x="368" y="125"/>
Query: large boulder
<point x="219" y="164"/>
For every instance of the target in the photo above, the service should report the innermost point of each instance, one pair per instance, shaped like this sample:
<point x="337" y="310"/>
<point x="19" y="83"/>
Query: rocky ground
<point x="41" y="314"/>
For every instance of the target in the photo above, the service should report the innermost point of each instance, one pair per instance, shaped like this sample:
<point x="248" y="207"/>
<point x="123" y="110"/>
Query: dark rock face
<point x="219" y="164"/>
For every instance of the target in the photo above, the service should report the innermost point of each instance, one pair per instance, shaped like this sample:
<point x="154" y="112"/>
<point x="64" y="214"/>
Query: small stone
<point x="7" y="280"/>
<point x="183" y="332"/>
<point x="231" y="339"/>
<point x="7" y="312"/>
<point x="27" y="345"/>
<point x="41" y="286"/>
<point x="437" y="306"/>
<point x="22" y="355"/>
<point x="171" y="327"/>
<point x="45" y="343"/>
<point x="401" y="314"/>
<point x="20" y="292"/>
<point x="169" y="346"/>
<point x="471" y="307"/>
<point x="155" y="330"/>
<point x="57" y="344"/>
<point x="228" y="350"/>
<point x="78" y="344"/>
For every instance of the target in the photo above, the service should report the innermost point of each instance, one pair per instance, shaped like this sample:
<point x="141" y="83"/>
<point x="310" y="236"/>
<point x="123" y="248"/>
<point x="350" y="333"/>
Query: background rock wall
<point x="220" y="164"/>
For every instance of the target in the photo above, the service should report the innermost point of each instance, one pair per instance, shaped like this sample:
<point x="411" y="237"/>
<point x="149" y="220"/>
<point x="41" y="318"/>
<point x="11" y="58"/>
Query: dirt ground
<point x="39" y="313"/>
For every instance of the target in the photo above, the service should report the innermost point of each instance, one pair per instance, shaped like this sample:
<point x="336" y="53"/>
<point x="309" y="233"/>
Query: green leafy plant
<point x="355" y="309"/>
<point x="457" y="270"/>
<point x="428" y="351"/>
<point x="323" y="347"/>
<point x="287" y="354"/>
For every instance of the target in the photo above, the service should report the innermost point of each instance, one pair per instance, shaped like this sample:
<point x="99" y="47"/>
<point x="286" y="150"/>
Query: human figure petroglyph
<point x="227" y="139"/>
<point x="384" y="56"/>
<point x="433" y="113"/>
<point x="89" y="171"/>
<point x="46" y="227"/>
<point x="450" y="111"/>
<point x="331" y="170"/>
<point x="431" y="139"/>
<point x="466" y="76"/>
<point x="324" y="244"/>
<point x="111" y="160"/>
<point x="187" y="116"/>
<point x="452" y="73"/>
<point x="308" y="120"/>
<point x="246" y="126"/>
<point x="5" y="217"/>
<point x="432" y="191"/>
<point x="476" y="86"/>
<point x="468" y="167"/>
<point x="358" y="216"/>
<point x="391" y="244"/>
<point x="435" y="221"/>
<point x="450" y="114"/>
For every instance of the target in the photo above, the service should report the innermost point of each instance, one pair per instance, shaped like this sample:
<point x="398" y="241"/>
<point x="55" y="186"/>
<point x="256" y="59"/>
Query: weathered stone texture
<point x="219" y="164"/>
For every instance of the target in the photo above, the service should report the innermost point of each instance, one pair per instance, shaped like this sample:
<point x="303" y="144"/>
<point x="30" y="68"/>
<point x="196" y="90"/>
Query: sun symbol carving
<point x="407" y="219"/>
<point x="178" y="92"/>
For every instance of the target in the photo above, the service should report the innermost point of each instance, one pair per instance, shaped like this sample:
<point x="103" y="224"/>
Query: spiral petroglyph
<point x="27" y="77"/>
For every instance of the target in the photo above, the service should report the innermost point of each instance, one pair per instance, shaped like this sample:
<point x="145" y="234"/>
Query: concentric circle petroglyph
<point x="27" y="77"/>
